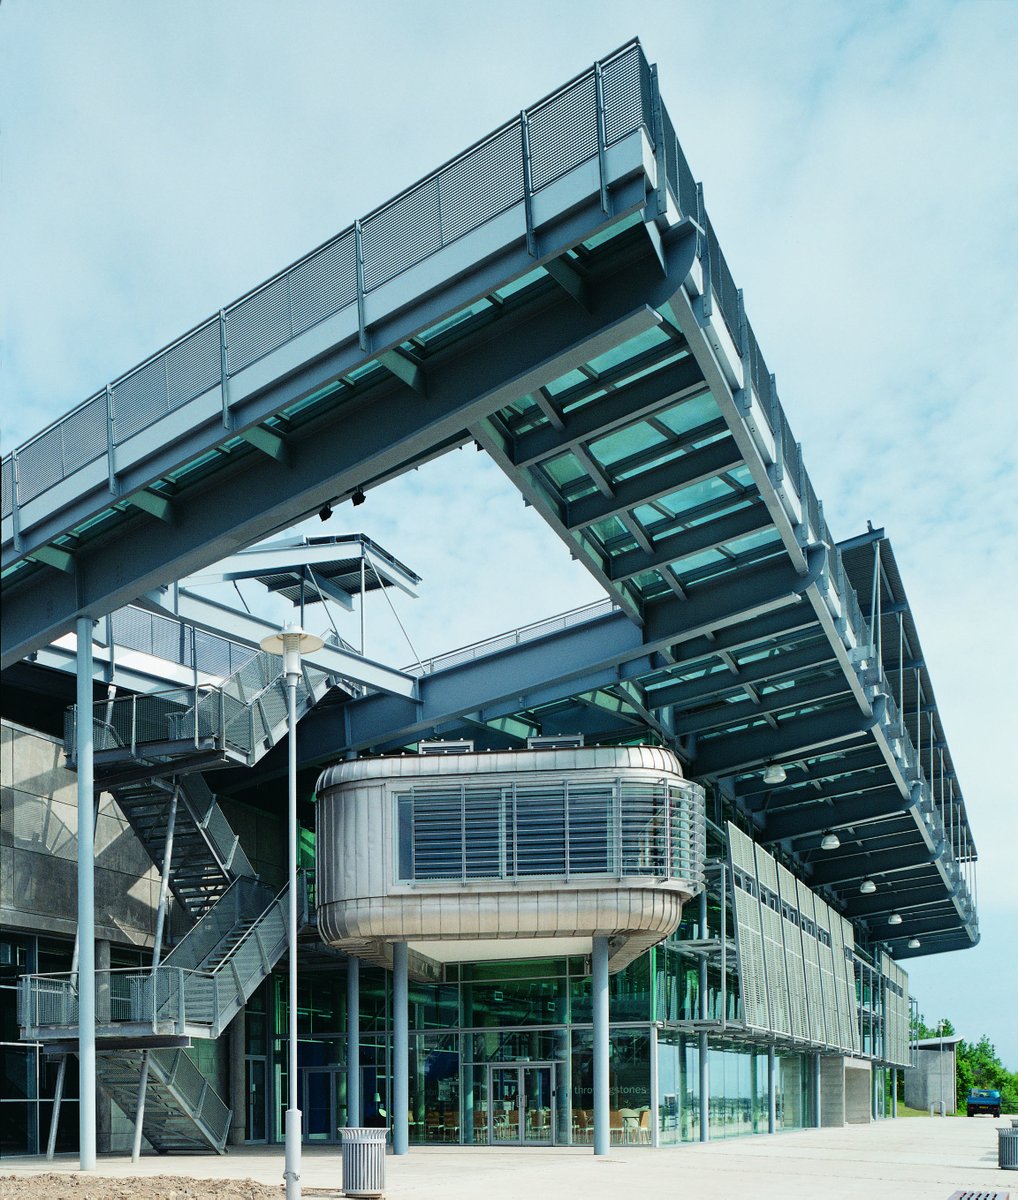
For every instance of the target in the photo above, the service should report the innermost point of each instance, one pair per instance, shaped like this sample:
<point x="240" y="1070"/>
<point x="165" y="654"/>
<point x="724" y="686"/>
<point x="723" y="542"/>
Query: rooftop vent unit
<point x="563" y="741"/>
<point x="464" y="747"/>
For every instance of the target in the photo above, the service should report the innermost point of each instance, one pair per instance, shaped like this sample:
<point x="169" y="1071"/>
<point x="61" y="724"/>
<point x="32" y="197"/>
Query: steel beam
<point x="844" y="868"/>
<point x="480" y="685"/>
<point x="692" y="467"/>
<point x="753" y="748"/>
<point x="813" y="818"/>
<point x="707" y="536"/>
<point x="620" y="407"/>
<point x="727" y="713"/>
<point x="249" y="629"/>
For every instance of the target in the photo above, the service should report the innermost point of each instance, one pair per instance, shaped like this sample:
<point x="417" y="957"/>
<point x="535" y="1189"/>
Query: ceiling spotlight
<point x="830" y="841"/>
<point x="867" y="887"/>
<point x="774" y="773"/>
<point x="325" y="511"/>
<point x="358" y="497"/>
<point x="894" y="919"/>
<point x="914" y="943"/>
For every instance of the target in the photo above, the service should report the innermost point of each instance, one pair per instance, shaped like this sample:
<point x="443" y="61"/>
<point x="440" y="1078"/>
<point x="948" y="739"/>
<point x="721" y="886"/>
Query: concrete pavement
<point x="908" y="1159"/>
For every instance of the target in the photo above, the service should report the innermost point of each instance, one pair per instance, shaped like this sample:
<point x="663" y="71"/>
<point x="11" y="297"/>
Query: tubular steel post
<point x="704" y="1064"/>
<point x="400" y="1049"/>
<point x="58" y="1090"/>
<point x="772" y="1099"/>
<point x="291" y="1171"/>
<point x="86" y="899"/>
<point x="353" y="1040"/>
<point x="816" y="1091"/>
<point x="599" y="1001"/>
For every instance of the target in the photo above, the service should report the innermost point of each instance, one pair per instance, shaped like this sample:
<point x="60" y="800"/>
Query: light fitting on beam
<point x="867" y="887"/>
<point x="830" y="841"/>
<point x="774" y="773"/>
<point x="358" y="497"/>
<point x="894" y="919"/>
<point x="325" y="512"/>
<point x="914" y="943"/>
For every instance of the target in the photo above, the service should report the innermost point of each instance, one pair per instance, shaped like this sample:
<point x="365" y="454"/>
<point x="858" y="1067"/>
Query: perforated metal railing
<point x="559" y="828"/>
<point x="514" y="637"/>
<point x="133" y="628"/>
<point x="173" y="995"/>
<point x="247" y="713"/>
<point x="502" y="170"/>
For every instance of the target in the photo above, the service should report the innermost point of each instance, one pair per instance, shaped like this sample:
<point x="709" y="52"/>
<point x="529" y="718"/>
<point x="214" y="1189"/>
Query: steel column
<point x="86" y="899"/>
<point x="353" y="1040"/>
<point x="291" y="1161"/>
<point x="816" y="1091"/>
<point x="400" y="1049"/>
<point x="599" y="1005"/>
<point x="772" y="1096"/>
<point x="704" y="1051"/>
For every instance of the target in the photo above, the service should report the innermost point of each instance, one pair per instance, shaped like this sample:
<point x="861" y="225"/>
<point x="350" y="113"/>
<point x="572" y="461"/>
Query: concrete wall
<point x="832" y="1090"/>
<point x="858" y="1093"/>
<point x="923" y="1082"/>
<point x="39" y="847"/>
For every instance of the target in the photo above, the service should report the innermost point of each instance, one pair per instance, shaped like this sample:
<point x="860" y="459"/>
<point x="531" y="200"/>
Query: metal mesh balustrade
<point x="479" y="184"/>
<point x="164" y="637"/>
<point x="558" y="828"/>
<point x="515" y="637"/>
<point x="724" y="285"/>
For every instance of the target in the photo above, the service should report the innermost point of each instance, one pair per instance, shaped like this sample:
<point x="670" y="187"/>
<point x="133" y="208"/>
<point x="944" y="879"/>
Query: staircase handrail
<point x="276" y="903"/>
<point x="193" y="1092"/>
<point x="203" y="937"/>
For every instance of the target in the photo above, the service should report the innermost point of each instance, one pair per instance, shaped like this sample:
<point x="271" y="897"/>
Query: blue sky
<point x="859" y="165"/>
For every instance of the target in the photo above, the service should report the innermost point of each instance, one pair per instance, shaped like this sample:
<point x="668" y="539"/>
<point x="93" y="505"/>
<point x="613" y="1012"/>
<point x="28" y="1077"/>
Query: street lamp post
<point x="290" y="642"/>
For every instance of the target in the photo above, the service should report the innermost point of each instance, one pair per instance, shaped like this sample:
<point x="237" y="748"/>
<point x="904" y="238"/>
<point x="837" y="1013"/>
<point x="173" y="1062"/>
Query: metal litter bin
<point x="363" y="1161"/>
<point x="1007" y="1149"/>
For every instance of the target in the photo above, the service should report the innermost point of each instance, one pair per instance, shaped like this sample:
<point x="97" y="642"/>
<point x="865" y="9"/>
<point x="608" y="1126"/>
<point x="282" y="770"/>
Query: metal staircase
<point x="148" y="752"/>
<point x="182" y="1111"/>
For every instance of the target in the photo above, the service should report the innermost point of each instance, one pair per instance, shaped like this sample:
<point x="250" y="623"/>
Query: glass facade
<point x="501" y="1053"/>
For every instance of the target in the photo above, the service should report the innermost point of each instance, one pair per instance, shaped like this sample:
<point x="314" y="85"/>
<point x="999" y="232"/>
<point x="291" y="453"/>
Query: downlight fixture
<point x="894" y="919"/>
<point x="914" y="943"/>
<point x="867" y="887"/>
<point x="830" y="841"/>
<point x="774" y="773"/>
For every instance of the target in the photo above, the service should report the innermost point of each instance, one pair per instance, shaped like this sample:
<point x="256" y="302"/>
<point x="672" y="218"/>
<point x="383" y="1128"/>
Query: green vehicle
<point x="983" y="1100"/>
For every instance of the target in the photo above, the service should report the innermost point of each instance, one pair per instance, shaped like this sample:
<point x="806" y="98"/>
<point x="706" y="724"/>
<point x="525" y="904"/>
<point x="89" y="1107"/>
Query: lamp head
<point x="830" y="841"/>
<point x="894" y="919"/>
<point x="867" y="887"/>
<point x="291" y="642"/>
<point x="774" y="773"/>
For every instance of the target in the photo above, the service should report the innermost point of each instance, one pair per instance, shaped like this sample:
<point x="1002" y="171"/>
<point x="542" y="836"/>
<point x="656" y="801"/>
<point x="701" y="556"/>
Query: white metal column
<point x="353" y="1040"/>
<point x="86" y="899"/>
<point x="599" y="1002"/>
<point x="400" y="1049"/>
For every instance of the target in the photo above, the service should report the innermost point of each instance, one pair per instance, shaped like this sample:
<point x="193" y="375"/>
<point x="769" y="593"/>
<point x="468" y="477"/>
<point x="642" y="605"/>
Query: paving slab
<point x="908" y="1159"/>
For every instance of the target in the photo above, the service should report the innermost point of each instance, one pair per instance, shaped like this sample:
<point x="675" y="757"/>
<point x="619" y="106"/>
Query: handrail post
<point x="528" y="185"/>
<point x="134" y="723"/>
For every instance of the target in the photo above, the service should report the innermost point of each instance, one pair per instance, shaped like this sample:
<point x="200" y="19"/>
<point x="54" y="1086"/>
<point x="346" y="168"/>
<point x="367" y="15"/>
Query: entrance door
<point x="521" y="1104"/>
<point x="257" y="1078"/>
<point x="320" y="1109"/>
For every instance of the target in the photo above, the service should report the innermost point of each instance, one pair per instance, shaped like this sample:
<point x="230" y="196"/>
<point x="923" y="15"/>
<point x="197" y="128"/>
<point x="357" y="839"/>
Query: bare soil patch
<point x="155" y="1187"/>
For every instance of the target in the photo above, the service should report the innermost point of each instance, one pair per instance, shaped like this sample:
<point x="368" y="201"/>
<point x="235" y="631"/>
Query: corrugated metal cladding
<point x="796" y="960"/>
